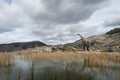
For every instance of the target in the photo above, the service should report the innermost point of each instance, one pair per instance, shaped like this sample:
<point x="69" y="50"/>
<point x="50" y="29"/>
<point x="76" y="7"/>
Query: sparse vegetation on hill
<point x="113" y="31"/>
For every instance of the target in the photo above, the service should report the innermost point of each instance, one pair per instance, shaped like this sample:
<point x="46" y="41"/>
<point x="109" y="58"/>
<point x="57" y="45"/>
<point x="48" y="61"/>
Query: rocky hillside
<point x="108" y="42"/>
<point x="12" y="47"/>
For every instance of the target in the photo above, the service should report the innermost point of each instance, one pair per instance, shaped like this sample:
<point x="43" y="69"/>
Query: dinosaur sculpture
<point x="87" y="44"/>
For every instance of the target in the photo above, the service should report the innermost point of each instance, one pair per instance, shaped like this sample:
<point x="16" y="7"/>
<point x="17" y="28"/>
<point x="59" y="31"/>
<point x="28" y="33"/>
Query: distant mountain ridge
<point x="18" y="46"/>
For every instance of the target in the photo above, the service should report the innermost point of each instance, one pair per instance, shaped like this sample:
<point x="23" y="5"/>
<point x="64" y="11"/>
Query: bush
<point x="70" y="48"/>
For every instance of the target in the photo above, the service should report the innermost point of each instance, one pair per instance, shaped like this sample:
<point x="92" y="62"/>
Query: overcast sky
<point x="56" y="21"/>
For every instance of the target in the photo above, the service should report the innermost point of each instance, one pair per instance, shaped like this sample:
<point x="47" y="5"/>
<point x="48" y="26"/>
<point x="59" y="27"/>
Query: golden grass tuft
<point x="5" y="59"/>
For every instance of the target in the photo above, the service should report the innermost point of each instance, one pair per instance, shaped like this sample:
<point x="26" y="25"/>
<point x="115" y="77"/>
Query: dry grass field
<point x="91" y="58"/>
<point x="59" y="65"/>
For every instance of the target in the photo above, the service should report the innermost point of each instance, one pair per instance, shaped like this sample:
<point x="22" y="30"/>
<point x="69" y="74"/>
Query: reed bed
<point x="5" y="59"/>
<point x="73" y="64"/>
<point x="90" y="59"/>
<point x="93" y="59"/>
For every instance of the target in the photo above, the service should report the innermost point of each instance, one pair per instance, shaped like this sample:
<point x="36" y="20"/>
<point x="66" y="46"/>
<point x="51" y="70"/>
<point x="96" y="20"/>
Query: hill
<point x="18" y="46"/>
<point x="113" y="31"/>
<point x="108" y="42"/>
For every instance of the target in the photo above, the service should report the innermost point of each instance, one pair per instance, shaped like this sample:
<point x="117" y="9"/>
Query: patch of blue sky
<point x="8" y="1"/>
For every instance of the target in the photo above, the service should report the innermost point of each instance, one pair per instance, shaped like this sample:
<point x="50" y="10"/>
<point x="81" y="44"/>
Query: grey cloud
<point x="56" y="12"/>
<point x="10" y="17"/>
<point x="42" y="30"/>
<point x="56" y="33"/>
<point x="112" y="22"/>
<point x="8" y="25"/>
<point x="2" y="30"/>
<point x="65" y="11"/>
<point x="61" y="33"/>
<point x="93" y="2"/>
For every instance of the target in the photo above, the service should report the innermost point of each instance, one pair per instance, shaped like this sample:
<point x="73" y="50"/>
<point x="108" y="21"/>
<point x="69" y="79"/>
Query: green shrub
<point x="113" y="31"/>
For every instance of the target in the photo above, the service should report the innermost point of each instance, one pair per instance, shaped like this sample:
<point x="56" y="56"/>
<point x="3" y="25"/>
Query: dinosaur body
<point x="87" y="45"/>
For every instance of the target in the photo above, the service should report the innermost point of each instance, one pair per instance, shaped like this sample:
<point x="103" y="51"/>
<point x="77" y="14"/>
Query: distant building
<point x="40" y="49"/>
<point x="44" y="49"/>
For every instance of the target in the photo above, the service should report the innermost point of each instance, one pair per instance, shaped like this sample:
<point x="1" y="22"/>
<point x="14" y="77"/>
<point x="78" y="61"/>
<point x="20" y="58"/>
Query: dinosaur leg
<point x="88" y="48"/>
<point x="84" y="47"/>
